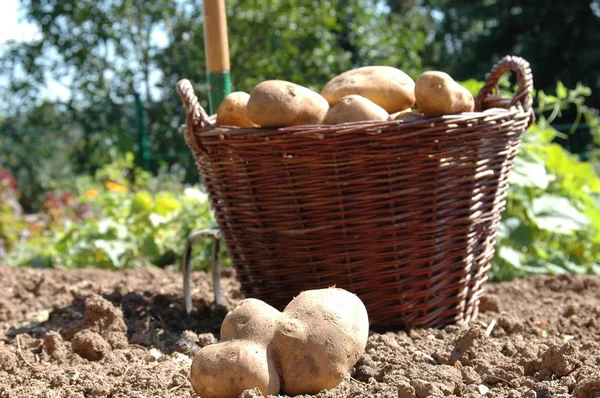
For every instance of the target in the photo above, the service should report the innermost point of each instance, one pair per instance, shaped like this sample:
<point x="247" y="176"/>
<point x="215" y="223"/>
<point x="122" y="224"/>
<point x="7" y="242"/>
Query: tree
<point x="106" y="51"/>
<point x="560" y="40"/>
<point x="290" y="40"/>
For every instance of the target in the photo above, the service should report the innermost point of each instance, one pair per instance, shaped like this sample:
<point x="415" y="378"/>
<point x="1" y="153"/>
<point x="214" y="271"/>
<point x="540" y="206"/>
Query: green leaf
<point x="523" y="235"/>
<point x="113" y="249"/>
<point x="513" y="229"/>
<point x="142" y="202"/>
<point x="556" y="214"/>
<point x="507" y="225"/>
<point x="195" y="194"/>
<point x="575" y="268"/>
<point x="511" y="256"/>
<point x="555" y="269"/>
<point x="149" y="247"/>
<point x="166" y="203"/>
<point x="472" y="85"/>
<point x="533" y="269"/>
<point x="530" y="173"/>
<point x="561" y="90"/>
<point x="157" y="220"/>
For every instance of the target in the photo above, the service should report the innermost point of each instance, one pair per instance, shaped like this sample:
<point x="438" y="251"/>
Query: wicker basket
<point x="403" y="213"/>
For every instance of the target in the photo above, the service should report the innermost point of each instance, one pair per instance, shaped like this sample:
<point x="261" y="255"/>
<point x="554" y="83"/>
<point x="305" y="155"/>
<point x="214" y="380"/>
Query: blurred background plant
<point x="552" y="221"/>
<point x="123" y="217"/>
<point x="93" y="171"/>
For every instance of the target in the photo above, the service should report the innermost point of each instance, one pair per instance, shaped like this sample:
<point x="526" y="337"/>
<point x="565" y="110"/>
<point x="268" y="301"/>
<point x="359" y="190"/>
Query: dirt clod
<point x="54" y="346"/>
<point x="588" y="388"/>
<point x="405" y="390"/>
<point x="84" y="333"/>
<point x="8" y="359"/>
<point x="90" y="345"/>
<point x="205" y="339"/>
<point x="489" y="303"/>
<point x="251" y="393"/>
<point x="559" y="360"/>
<point x="102" y="317"/>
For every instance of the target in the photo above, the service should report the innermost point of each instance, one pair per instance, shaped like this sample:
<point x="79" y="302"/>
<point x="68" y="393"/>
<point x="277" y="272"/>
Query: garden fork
<point x="216" y="43"/>
<point x="215" y="234"/>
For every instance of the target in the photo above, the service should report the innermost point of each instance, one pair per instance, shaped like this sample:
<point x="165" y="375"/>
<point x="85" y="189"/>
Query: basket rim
<point x="464" y="118"/>
<point x="487" y="104"/>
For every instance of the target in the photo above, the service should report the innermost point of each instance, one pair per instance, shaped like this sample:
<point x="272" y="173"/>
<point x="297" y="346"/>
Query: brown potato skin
<point x="388" y="87"/>
<point x="279" y="103"/>
<point x="226" y="369"/>
<point x="252" y="320"/>
<point x="354" y="108"/>
<point x="319" y="339"/>
<point x="438" y="94"/>
<point x="311" y="346"/>
<point x="406" y="114"/>
<point x="232" y="111"/>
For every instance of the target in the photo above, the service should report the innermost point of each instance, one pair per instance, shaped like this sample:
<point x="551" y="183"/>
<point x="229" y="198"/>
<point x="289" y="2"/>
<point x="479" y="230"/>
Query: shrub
<point x="123" y="218"/>
<point x="552" y="221"/>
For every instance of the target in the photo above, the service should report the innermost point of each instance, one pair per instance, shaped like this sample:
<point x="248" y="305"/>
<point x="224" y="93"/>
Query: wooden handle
<point x="216" y="42"/>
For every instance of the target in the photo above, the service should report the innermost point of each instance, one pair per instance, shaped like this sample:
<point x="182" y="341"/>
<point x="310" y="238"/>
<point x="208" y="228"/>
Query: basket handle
<point x="521" y="67"/>
<point x="195" y="114"/>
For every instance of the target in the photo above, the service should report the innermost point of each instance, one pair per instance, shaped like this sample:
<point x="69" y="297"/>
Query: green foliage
<point x="561" y="41"/>
<point x="119" y="216"/>
<point x="307" y="42"/>
<point x="552" y="221"/>
<point x="125" y="217"/>
<point x="47" y="149"/>
<point x="39" y="157"/>
<point x="11" y="223"/>
<point x="138" y="221"/>
<point x="104" y="52"/>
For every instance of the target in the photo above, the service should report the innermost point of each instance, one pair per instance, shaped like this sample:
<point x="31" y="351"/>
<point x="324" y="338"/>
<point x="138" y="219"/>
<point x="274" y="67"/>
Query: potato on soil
<point x="318" y="340"/>
<point x="232" y="111"/>
<point x="228" y="368"/>
<point x="354" y="108"/>
<point x="388" y="87"/>
<point x="438" y="94"/>
<point x="278" y="103"/>
<point x="252" y="320"/>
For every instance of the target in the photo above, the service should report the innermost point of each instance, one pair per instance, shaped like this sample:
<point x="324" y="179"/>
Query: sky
<point x="14" y="27"/>
<point x="11" y="28"/>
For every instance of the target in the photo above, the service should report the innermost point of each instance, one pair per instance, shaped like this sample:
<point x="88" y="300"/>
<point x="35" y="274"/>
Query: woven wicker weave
<point x="403" y="213"/>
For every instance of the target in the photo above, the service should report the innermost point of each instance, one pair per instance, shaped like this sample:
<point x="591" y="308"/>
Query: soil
<point x="91" y="333"/>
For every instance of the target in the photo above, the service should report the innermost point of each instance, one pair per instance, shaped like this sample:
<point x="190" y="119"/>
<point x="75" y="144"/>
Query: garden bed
<point x="89" y="333"/>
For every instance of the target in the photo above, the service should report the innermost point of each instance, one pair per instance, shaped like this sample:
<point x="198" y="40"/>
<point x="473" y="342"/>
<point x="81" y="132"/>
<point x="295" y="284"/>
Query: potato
<point x="495" y="101"/>
<point x="309" y="347"/>
<point x="226" y="369"/>
<point x="406" y="114"/>
<point x="354" y="108"/>
<point x="318" y="340"/>
<point x="232" y="111"/>
<point x="388" y="87"/>
<point x="438" y="94"/>
<point x="278" y="103"/>
<point x="252" y="320"/>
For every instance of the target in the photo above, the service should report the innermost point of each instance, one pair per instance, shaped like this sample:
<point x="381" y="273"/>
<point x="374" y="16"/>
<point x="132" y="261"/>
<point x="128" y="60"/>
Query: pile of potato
<point x="362" y="94"/>
<point x="310" y="346"/>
